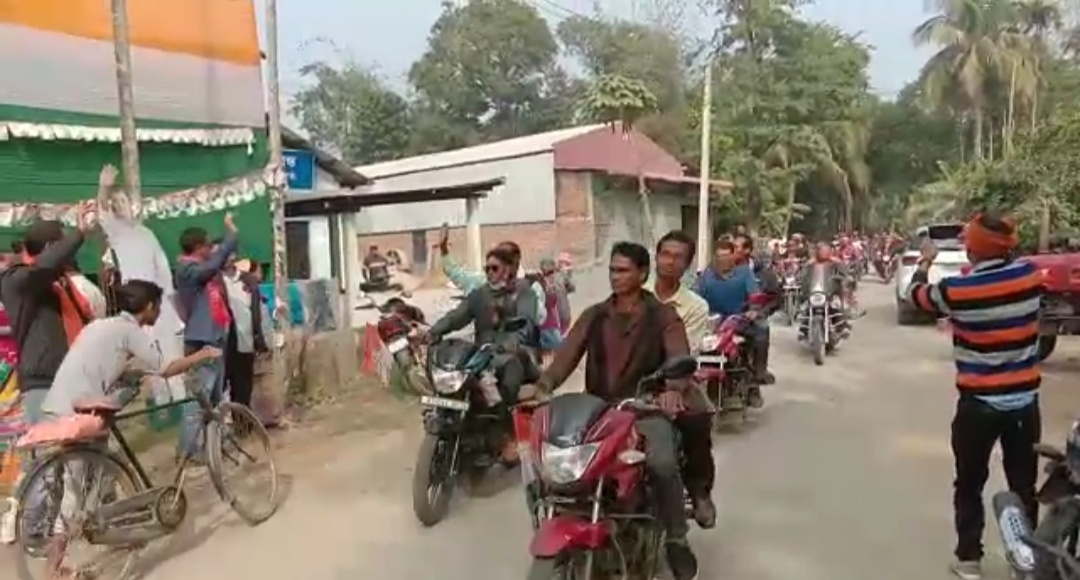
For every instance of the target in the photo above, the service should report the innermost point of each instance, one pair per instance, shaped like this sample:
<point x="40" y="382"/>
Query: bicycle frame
<point x="112" y="423"/>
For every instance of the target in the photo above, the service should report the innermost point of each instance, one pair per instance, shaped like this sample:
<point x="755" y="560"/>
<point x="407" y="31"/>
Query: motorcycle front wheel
<point x="817" y="343"/>
<point x="433" y="480"/>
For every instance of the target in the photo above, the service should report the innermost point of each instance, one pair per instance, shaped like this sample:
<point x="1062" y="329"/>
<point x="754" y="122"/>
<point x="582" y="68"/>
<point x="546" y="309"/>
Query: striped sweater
<point x="994" y="311"/>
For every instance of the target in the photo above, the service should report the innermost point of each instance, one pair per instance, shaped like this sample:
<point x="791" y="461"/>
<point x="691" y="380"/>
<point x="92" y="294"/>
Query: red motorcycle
<point x="597" y="519"/>
<point x="724" y="367"/>
<point x="399" y="330"/>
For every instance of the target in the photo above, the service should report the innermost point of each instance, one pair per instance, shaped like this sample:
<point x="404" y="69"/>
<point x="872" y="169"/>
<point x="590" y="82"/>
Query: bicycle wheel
<point x="242" y="463"/>
<point x="54" y="524"/>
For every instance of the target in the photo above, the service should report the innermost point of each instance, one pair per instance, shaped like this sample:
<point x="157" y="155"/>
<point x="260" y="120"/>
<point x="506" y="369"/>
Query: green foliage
<point x="615" y="98"/>
<point x="485" y="74"/>
<point x="990" y="122"/>
<point x="350" y="110"/>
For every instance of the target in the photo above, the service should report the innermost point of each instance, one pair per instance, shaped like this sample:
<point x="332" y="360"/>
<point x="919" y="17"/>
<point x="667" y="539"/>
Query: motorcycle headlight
<point x="566" y="465"/>
<point x="817" y="300"/>
<point x="710" y="343"/>
<point x="447" y="382"/>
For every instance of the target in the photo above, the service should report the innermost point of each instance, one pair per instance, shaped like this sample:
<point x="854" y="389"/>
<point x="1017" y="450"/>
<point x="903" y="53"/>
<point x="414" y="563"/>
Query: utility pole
<point x="704" y="235"/>
<point x="277" y="200"/>
<point x="129" y="141"/>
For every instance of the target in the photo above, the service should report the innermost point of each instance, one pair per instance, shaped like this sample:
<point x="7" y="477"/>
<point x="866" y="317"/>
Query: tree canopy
<point x="990" y="121"/>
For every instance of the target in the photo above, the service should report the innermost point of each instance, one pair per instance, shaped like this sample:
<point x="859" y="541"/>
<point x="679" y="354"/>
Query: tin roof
<point x="599" y="147"/>
<point x="506" y="149"/>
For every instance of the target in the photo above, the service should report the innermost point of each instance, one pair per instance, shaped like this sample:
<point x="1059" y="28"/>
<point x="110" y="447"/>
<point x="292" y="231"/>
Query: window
<point x="298" y="250"/>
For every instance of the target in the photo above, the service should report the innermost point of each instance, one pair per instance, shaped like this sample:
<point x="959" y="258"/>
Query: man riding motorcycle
<point x="772" y="286"/>
<point x="674" y="255"/>
<point x="836" y="275"/>
<point x="488" y="307"/>
<point x="627" y="337"/>
<point x="727" y="286"/>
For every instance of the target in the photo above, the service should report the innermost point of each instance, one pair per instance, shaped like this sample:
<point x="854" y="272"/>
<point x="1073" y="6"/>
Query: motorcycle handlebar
<point x="638" y="405"/>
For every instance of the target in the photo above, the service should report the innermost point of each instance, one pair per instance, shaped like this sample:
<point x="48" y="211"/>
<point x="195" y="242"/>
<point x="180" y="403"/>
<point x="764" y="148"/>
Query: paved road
<point x="846" y="475"/>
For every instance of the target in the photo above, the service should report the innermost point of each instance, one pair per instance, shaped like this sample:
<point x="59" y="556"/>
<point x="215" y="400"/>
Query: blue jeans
<point x="209" y="377"/>
<point x="37" y="523"/>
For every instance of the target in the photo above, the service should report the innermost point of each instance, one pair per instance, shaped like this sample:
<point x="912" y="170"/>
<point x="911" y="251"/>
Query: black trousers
<point x="239" y="373"/>
<point x="662" y="464"/>
<point x="976" y="428"/>
<point x="699" y="469"/>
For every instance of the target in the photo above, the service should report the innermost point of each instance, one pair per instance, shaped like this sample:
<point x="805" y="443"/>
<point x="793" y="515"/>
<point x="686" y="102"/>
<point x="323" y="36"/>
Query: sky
<point x="389" y="36"/>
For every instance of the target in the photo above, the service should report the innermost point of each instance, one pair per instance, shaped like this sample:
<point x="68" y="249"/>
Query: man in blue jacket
<point x="727" y="287"/>
<point x="204" y="305"/>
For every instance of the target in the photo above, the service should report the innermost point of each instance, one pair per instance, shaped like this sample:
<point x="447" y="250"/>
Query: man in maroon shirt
<point x="620" y="336"/>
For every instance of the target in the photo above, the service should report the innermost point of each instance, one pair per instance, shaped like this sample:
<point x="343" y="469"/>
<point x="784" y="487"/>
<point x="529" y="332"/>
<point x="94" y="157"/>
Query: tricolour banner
<point x="193" y="61"/>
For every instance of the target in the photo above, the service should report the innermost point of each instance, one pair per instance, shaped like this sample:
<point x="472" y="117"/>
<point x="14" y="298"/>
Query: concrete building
<point x="575" y="190"/>
<point x="314" y="242"/>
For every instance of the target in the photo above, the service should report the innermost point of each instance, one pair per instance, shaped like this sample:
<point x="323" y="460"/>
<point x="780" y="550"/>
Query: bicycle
<point x="85" y="490"/>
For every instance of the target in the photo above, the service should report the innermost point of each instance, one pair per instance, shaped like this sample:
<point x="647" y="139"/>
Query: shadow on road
<point x="207" y="516"/>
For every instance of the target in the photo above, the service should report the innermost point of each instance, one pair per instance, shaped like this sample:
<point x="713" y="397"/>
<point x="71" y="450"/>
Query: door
<point x="419" y="251"/>
<point x="298" y="249"/>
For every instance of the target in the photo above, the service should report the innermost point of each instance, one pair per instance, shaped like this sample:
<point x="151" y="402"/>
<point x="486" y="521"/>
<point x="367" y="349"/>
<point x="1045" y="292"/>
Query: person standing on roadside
<point x="246" y="339"/>
<point x="204" y="307"/>
<point x="994" y="310"/>
<point x="565" y="287"/>
<point x="551" y="334"/>
<point x="39" y="299"/>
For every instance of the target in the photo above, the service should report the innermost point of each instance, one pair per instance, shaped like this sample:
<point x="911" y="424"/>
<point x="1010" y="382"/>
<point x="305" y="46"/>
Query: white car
<point x="950" y="261"/>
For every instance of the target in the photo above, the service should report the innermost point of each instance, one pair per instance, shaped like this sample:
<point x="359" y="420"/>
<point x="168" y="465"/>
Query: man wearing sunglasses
<point x="467" y="281"/>
<point x="489" y="307"/>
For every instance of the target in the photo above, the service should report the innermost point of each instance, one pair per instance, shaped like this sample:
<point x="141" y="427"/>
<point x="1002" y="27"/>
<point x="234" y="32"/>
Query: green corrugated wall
<point x="34" y="170"/>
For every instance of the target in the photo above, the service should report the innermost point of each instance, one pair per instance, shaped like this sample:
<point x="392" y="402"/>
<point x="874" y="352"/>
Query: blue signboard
<point x="300" y="169"/>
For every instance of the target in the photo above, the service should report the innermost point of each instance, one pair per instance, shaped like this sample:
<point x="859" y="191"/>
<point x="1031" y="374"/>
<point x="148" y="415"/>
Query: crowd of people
<point x="73" y="341"/>
<point x="659" y="309"/>
<point x="655" y="312"/>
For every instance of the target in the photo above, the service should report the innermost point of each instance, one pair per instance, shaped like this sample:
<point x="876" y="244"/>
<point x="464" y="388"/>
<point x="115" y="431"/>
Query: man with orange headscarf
<point x="994" y="310"/>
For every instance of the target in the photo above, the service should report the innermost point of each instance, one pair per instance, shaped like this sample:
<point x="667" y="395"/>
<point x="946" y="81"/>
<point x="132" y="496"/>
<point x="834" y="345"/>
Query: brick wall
<point x="571" y="232"/>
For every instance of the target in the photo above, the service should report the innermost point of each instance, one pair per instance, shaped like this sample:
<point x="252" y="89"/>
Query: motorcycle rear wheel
<point x="433" y="480"/>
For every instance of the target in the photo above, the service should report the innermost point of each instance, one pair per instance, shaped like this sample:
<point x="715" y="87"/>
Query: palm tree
<point x="976" y="45"/>
<point x="1038" y="18"/>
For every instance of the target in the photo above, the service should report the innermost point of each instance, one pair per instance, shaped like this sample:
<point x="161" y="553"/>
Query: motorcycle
<point x="1049" y="552"/>
<point x="377" y="277"/>
<point x="725" y="368"/>
<point x="791" y="298"/>
<point x="821" y="319"/>
<point x="398" y="328"/>
<point x="466" y="422"/>
<point x="599" y="519"/>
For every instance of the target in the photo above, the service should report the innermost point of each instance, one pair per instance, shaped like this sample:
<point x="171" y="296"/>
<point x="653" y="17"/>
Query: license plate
<point x="444" y="403"/>
<point x="398" y="345"/>
<point x="711" y="359"/>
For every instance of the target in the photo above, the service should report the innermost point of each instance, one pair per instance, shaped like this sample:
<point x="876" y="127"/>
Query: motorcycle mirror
<point x="679" y="368"/>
